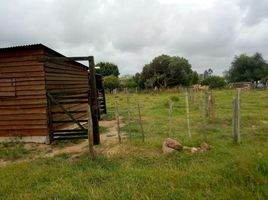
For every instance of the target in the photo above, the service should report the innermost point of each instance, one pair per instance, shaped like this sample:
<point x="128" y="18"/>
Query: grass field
<point x="141" y="171"/>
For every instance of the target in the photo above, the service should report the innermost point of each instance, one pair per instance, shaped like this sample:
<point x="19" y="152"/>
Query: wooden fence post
<point x="187" y="113"/>
<point x="194" y="95"/>
<point x="140" y="121"/>
<point x="212" y="115"/>
<point x="117" y="121"/>
<point x="170" y="116"/>
<point x="128" y="119"/>
<point x="205" y="113"/>
<point x="236" y="117"/>
<point x="90" y="133"/>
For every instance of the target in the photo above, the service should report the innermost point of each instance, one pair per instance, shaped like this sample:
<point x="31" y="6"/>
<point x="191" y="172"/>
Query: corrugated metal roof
<point x="23" y="46"/>
<point x="32" y="46"/>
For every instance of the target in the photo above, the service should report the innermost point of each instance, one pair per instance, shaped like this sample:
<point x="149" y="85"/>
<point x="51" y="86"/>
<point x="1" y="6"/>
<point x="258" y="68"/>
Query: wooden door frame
<point x="92" y="94"/>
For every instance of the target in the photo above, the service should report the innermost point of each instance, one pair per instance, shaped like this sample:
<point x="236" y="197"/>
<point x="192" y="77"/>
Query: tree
<point x="166" y="71"/>
<point x="111" y="82"/>
<point x="247" y="68"/>
<point x="138" y="80"/>
<point x="194" y="77"/>
<point x="208" y="73"/>
<point x="264" y="81"/>
<point x="214" y="82"/>
<point x="128" y="81"/>
<point x="107" y="69"/>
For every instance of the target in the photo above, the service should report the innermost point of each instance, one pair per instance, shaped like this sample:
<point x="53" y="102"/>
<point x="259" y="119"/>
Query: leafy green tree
<point x="264" y="81"/>
<point x="214" y="82"/>
<point x="138" y="80"/>
<point x="128" y="81"/>
<point x="194" y="77"/>
<point x="107" y="69"/>
<point x="208" y="73"/>
<point x="111" y="82"/>
<point x="247" y="68"/>
<point x="166" y="71"/>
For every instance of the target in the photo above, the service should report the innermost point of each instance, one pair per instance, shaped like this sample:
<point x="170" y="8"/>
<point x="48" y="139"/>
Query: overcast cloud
<point x="131" y="33"/>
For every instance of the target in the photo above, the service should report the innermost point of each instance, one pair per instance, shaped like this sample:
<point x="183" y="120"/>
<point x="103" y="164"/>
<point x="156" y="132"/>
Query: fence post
<point x="205" y="113"/>
<point x="128" y="120"/>
<point x="187" y="113"/>
<point x="90" y="133"/>
<point x="118" y="123"/>
<point x="140" y="121"/>
<point x="236" y="117"/>
<point x="170" y="116"/>
<point x="212" y="107"/>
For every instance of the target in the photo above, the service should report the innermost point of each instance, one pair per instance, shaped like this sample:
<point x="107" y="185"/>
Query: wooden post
<point x="187" y="113"/>
<point x="118" y="123"/>
<point x="50" y="119"/>
<point x="236" y="117"/>
<point x="194" y="95"/>
<point x="205" y="113"/>
<point x="140" y="121"/>
<point x="206" y="107"/>
<point x="94" y="102"/>
<point x="128" y="119"/>
<point x="212" y="107"/>
<point x="209" y="105"/>
<point x="90" y="133"/>
<point x="170" y="117"/>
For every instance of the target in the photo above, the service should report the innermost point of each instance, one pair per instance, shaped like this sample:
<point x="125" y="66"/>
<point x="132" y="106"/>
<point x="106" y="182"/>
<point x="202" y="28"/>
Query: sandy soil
<point x="109" y="145"/>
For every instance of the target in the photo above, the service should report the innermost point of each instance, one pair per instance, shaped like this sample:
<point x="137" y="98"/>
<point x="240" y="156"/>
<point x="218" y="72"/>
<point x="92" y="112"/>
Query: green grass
<point x="13" y="151"/>
<point x="140" y="170"/>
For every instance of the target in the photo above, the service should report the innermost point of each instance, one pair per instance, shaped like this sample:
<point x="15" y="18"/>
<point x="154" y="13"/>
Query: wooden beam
<point x="66" y="111"/>
<point x="94" y="102"/>
<point x="62" y="59"/>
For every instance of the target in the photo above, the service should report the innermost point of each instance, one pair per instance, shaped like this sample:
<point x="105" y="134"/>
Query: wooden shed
<point x="44" y="96"/>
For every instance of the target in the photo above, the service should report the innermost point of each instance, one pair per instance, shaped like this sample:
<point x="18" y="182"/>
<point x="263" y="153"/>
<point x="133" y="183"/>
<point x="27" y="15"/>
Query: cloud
<point x="254" y="11"/>
<point x="131" y="33"/>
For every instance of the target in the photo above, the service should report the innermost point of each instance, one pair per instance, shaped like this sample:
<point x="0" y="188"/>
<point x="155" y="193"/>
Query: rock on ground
<point x="171" y="145"/>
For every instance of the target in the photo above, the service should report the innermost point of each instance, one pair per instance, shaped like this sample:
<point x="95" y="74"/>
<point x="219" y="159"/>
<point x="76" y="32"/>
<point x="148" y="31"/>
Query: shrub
<point x="214" y="82"/>
<point x="174" y="98"/>
<point x="111" y="82"/>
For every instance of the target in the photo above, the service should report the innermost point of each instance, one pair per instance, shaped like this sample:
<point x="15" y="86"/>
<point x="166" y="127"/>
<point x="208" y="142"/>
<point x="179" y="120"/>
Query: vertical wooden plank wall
<point x="22" y="93"/>
<point x="67" y="82"/>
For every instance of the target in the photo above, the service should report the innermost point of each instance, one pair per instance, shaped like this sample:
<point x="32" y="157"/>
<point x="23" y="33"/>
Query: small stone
<point x="195" y="150"/>
<point x="205" y="146"/>
<point x="174" y="144"/>
<point x="167" y="150"/>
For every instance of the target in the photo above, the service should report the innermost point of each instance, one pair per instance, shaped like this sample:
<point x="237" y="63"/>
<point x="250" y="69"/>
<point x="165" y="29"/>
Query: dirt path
<point x="109" y="141"/>
<point x="111" y="136"/>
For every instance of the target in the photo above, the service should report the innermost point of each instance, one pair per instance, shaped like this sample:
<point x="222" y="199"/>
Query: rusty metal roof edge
<point x="38" y="45"/>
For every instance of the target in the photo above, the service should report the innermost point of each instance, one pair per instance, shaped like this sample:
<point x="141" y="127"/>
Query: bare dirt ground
<point x="109" y="146"/>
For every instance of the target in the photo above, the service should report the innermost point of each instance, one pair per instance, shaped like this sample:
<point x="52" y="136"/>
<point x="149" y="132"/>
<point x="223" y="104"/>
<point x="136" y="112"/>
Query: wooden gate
<point x="67" y="115"/>
<point x="67" y="110"/>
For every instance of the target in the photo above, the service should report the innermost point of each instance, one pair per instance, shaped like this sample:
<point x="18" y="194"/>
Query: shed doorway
<point x="67" y="109"/>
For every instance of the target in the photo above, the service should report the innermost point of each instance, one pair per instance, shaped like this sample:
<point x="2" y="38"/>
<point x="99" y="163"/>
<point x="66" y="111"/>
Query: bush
<point x="111" y="82"/>
<point x="214" y="82"/>
<point x="174" y="98"/>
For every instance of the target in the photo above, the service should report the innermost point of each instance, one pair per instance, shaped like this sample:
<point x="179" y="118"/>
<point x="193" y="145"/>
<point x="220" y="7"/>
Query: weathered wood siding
<point x="23" y="103"/>
<point x="68" y="83"/>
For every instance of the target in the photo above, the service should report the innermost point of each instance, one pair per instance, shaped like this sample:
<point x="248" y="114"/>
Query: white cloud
<point x="131" y="33"/>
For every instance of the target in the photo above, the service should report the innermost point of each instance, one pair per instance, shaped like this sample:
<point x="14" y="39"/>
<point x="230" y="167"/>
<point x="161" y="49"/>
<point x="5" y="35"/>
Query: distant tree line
<point x="248" y="68"/>
<point x="169" y="71"/>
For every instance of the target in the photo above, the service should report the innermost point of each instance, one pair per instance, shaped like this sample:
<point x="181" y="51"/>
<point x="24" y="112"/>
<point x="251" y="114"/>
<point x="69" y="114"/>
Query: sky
<point x="130" y="33"/>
